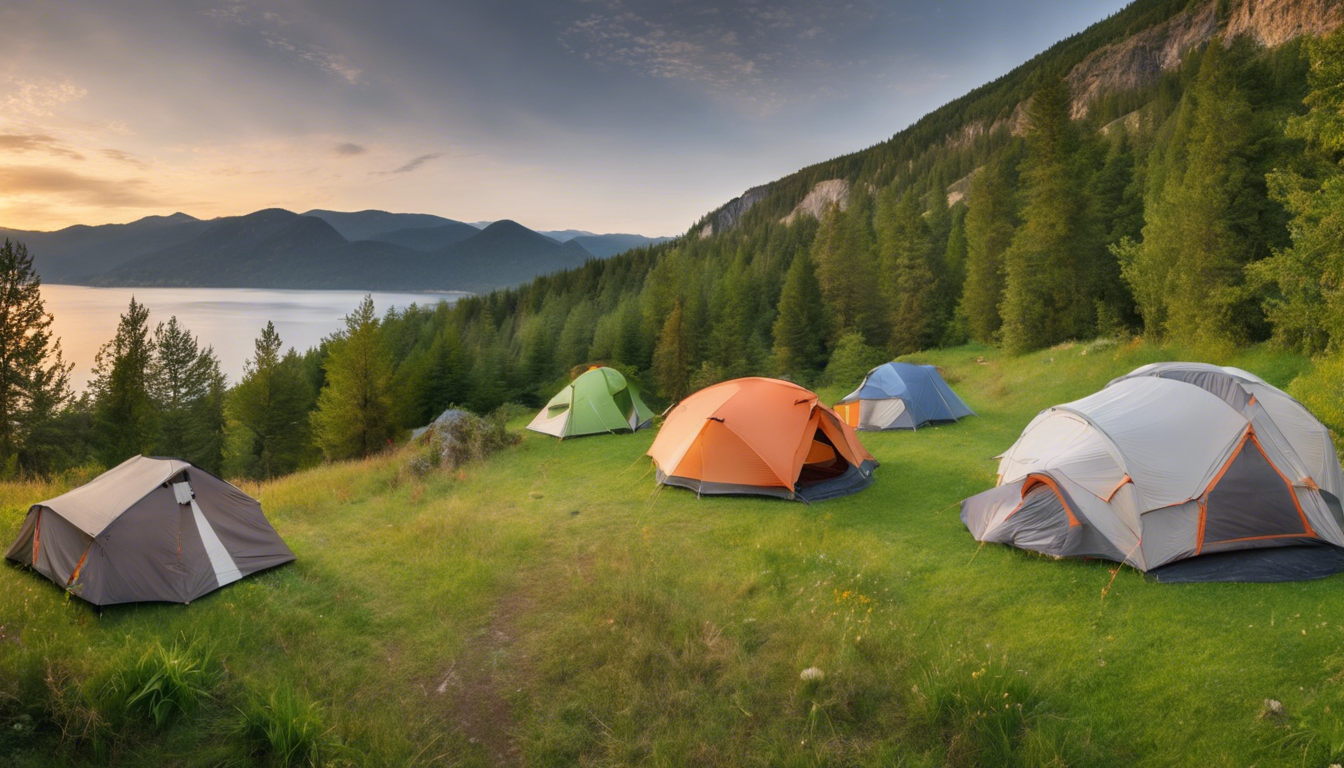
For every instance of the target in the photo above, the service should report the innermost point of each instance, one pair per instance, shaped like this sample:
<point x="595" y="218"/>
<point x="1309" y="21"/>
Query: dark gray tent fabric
<point x="177" y="533"/>
<point x="1302" y="562"/>
<point x="1250" y="503"/>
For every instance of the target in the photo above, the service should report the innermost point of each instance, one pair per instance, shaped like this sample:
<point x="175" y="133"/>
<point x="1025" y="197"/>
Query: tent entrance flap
<point x="823" y="462"/>
<point x="1250" y="501"/>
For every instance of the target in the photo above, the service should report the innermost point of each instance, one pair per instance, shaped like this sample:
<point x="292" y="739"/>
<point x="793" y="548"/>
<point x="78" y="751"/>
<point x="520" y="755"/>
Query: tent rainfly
<point x="1169" y="462"/>
<point x="901" y="396"/>
<point x="760" y="436"/>
<point x="148" y="530"/>
<point x="599" y="402"/>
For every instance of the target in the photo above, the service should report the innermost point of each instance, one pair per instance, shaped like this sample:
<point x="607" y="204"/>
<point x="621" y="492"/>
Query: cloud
<point x="124" y="157"/>
<point x="348" y="149"/>
<point x="268" y="25"/>
<point x="761" y="56"/>
<point x="16" y="180"/>
<point x="36" y="142"/>
<point x="39" y="97"/>
<point x="416" y="163"/>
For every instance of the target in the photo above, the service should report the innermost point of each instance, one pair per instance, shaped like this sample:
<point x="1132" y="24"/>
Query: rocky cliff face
<point x="732" y="213"/>
<point x="1141" y="59"/>
<point x="822" y="196"/>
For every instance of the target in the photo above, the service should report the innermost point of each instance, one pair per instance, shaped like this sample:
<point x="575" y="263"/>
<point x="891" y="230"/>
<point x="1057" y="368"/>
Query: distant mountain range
<point x="275" y="248"/>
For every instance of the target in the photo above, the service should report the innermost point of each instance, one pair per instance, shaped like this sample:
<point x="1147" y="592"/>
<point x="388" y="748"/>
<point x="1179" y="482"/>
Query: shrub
<point x="1321" y="390"/>
<point x="458" y="437"/>
<point x="851" y="360"/>
<point x="166" y="683"/>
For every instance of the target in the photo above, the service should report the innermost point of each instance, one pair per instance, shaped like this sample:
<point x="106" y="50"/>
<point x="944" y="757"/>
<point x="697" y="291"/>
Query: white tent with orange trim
<point x="1171" y="461"/>
<point x="760" y="436"/>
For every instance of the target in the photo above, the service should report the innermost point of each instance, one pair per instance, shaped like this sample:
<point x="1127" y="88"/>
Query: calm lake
<point x="229" y="319"/>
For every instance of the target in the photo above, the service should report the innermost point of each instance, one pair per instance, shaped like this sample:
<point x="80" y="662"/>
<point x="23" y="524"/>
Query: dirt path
<point x="475" y="688"/>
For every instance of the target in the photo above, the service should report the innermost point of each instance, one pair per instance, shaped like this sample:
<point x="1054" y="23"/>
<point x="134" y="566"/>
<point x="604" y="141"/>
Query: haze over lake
<point x="229" y="319"/>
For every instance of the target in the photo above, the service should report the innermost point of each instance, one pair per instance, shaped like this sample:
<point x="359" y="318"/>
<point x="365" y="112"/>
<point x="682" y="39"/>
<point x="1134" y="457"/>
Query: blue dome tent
<point x="901" y="396"/>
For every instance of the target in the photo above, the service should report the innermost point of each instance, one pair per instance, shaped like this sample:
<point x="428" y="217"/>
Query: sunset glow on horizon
<point x="610" y="116"/>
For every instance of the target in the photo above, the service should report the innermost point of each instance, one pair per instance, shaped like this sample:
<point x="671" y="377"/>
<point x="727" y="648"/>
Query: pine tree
<point x="735" y="349"/>
<point x="990" y="221"/>
<point x="576" y="337"/>
<point x="125" y="417"/>
<point x="1115" y="212"/>
<point x="907" y="265"/>
<point x="800" y="330"/>
<point x="846" y="270"/>
<point x="1194" y="251"/>
<point x="673" y="357"/>
<point x="34" y="380"/>
<point x="1307" y="310"/>
<point x="268" y="430"/>
<point x="449" y="374"/>
<point x="953" y="272"/>
<point x="1045" y="300"/>
<point x="187" y="386"/>
<point x="354" y="415"/>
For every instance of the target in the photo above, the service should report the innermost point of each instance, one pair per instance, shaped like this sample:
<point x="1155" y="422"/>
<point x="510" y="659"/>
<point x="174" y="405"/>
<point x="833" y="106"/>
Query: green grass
<point x="549" y="607"/>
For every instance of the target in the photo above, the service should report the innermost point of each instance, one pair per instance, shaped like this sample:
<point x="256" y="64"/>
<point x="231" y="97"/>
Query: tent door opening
<point x="823" y="462"/>
<point x="1250" y="503"/>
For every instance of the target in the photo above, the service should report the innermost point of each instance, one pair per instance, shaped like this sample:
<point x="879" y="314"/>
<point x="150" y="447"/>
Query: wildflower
<point x="812" y="674"/>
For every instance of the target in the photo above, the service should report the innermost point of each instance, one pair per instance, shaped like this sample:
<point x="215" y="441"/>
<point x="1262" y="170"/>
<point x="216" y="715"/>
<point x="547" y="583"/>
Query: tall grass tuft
<point x="166" y="682"/>
<point x="988" y="715"/>
<point x="285" y="729"/>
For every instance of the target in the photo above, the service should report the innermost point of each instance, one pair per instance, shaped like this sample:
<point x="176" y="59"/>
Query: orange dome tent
<point x="760" y="436"/>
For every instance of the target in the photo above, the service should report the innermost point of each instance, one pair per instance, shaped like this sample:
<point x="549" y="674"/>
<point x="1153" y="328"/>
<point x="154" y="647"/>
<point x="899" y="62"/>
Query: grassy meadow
<point x="548" y="606"/>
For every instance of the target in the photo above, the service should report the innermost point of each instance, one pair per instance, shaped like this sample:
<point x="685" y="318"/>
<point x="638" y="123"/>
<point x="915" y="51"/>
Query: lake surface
<point x="228" y="319"/>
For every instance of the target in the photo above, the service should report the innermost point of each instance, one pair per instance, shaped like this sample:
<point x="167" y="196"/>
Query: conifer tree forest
<point x="1204" y="209"/>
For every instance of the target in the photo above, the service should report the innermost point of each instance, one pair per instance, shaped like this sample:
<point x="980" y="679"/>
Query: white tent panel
<point x="880" y="414"/>
<point x="1172" y="437"/>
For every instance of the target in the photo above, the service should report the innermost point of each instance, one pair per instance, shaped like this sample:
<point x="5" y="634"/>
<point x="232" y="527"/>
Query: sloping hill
<point x="505" y="251"/>
<point x="80" y="252"/>
<point x="428" y="238"/>
<point x="603" y="246"/>
<point x="363" y="225"/>
<point x="276" y="248"/>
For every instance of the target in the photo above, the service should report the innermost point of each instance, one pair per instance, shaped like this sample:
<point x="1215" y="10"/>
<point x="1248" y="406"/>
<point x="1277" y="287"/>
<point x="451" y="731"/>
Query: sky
<point x="602" y="115"/>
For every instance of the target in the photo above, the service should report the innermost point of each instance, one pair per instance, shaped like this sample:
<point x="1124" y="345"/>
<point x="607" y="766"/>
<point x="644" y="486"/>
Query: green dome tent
<point x="598" y="402"/>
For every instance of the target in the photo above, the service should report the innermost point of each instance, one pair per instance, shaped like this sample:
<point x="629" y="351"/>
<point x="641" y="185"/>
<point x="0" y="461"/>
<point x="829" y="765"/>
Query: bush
<point x="1321" y="390"/>
<point x="458" y="437"/>
<point x="284" y="729"/>
<point x="851" y="360"/>
<point x="166" y="683"/>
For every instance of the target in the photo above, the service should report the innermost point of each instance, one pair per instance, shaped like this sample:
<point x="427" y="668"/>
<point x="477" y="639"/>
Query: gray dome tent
<point x="1169" y="462"/>
<point x="148" y="530"/>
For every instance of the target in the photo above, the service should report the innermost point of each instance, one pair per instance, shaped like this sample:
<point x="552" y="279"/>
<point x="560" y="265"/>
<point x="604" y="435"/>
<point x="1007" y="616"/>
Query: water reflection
<point x="229" y="319"/>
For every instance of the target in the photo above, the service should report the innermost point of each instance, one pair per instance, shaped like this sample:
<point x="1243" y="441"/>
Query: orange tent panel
<point x="753" y="433"/>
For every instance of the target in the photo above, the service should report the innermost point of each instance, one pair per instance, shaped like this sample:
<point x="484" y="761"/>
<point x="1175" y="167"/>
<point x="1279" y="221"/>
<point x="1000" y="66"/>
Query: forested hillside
<point x="1197" y="203"/>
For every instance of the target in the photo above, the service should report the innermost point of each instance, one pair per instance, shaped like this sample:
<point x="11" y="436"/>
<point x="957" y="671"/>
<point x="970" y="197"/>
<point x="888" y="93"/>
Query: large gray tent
<point x="1172" y="461"/>
<point x="901" y="396"/>
<point x="148" y="530"/>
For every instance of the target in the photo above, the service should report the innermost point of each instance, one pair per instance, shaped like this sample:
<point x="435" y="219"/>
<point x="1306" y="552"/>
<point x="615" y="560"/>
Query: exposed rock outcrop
<point x="1141" y="59"/>
<point x="732" y="213"/>
<point x="957" y="190"/>
<point x="822" y="196"/>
